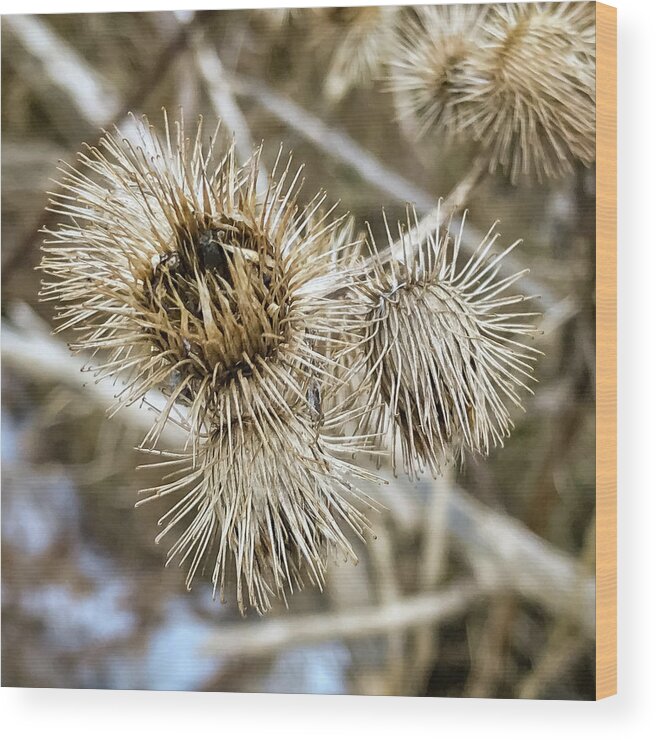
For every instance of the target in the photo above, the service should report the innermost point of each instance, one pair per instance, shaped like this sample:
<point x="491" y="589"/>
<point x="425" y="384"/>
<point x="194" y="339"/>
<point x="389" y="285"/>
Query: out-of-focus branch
<point x="223" y="101"/>
<point x="439" y="214"/>
<point x="562" y="650"/>
<point x="432" y="562"/>
<point x="488" y="651"/>
<point x="28" y="348"/>
<point x="498" y="545"/>
<point x="340" y="146"/>
<point x="527" y="564"/>
<point x="334" y="143"/>
<point x="65" y="69"/>
<point x="32" y="27"/>
<point x="275" y="634"/>
<point x="384" y="571"/>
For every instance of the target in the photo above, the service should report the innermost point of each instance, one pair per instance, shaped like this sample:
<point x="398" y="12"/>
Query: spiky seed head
<point x="173" y="263"/>
<point x="427" y="64"/>
<point x="267" y="501"/>
<point x="530" y="88"/>
<point x="178" y="273"/>
<point x="442" y="356"/>
<point x="364" y="37"/>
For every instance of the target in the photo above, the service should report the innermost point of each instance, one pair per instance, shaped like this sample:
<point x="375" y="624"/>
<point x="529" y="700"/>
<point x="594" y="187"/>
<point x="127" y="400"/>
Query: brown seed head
<point x="530" y="88"/>
<point x="441" y="355"/>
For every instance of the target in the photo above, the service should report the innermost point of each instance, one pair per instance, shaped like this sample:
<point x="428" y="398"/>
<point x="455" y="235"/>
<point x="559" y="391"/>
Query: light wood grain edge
<point x="606" y="330"/>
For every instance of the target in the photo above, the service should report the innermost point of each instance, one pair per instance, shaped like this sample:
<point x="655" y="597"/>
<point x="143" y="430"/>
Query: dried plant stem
<point x="162" y="64"/>
<point x="381" y="550"/>
<point x="223" y="101"/>
<point x="336" y="144"/>
<point x="563" y="648"/>
<point x="487" y="659"/>
<point x="437" y="216"/>
<point x="276" y="634"/>
<point x="565" y="643"/>
<point x="30" y="349"/>
<point x="430" y="569"/>
<point x="65" y="69"/>
<point x="530" y="566"/>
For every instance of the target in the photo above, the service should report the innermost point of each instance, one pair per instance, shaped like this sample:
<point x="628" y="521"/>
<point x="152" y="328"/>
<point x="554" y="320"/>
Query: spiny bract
<point x="441" y="357"/>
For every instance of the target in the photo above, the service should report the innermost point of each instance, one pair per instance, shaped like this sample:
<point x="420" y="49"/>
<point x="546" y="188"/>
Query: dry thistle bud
<point x="427" y="64"/>
<point x="186" y="279"/>
<point x="266" y="498"/>
<point x="441" y="355"/>
<point x="366" y="35"/>
<point x="190" y="280"/>
<point x="530" y="88"/>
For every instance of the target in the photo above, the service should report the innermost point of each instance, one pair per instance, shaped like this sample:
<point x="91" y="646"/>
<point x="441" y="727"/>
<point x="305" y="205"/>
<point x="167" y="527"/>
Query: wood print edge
<point x="606" y="341"/>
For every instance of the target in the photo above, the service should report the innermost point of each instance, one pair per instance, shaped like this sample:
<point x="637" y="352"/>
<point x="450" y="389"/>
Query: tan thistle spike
<point x="442" y="358"/>
<point x="529" y="89"/>
<point x="426" y="66"/>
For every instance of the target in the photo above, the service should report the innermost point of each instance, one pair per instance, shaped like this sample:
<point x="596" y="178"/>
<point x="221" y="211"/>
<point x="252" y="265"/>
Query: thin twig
<point x="439" y="215"/>
<point x="65" y="69"/>
<point x="528" y="564"/>
<point x="340" y="146"/>
<point x="223" y="101"/>
<point x="333" y="142"/>
<point x="262" y="638"/>
<point x="381" y="549"/>
<point x="29" y="349"/>
<point x="564" y="647"/>
<point x="136" y="100"/>
<point x="430" y="570"/>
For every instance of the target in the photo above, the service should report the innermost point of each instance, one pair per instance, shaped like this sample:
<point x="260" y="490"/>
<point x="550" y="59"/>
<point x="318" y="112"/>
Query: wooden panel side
<point x="606" y="423"/>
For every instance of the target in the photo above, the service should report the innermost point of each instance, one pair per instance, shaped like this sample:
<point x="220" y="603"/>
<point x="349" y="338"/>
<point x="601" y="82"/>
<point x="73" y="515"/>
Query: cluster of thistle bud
<point x="289" y="349"/>
<point x="516" y="80"/>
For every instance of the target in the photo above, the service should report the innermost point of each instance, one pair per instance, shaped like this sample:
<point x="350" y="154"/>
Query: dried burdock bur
<point x="177" y="274"/>
<point x="363" y="38"/>
<point x="530" y="88"/>
<point x="190" y="279"/>
<point x="444" y="359"/>
<point x="267" y="501"/>
<point x="427" y="67"/>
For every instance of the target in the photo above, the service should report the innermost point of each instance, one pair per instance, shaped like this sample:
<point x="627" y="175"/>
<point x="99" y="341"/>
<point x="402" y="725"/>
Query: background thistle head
<point x="530" y="88"/>
<point x="427" y="66"/>
<point x="516" y="78"/>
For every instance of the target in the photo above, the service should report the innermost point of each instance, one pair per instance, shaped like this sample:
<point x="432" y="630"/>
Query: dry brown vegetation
<point x="478" y="582"/>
